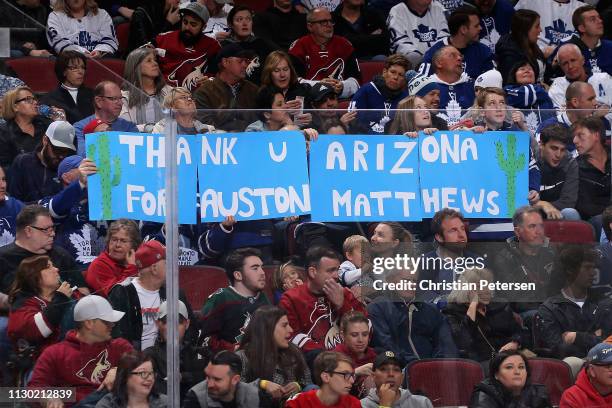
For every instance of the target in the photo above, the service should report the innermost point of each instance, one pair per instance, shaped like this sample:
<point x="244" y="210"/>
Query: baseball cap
<point x="384" y="358"/>
<point x="320" y="91"/>
<point x="95" y="307"/>
<point x="197" y="10"/>
<point x="163" y="310"/>
<point x="149" y="253"/>
<point x="61" y="134"/>
<point x="489" y="79"/>
<point x="600" y="354"/>
<point x="69" y="163"/>
<point x="421" y="85"/>
<point x="234" y="50"/>
<point x="91" y="126"/>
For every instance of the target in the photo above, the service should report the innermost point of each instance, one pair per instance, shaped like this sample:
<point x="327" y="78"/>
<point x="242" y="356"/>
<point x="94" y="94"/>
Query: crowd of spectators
<point x="83" y="302"/>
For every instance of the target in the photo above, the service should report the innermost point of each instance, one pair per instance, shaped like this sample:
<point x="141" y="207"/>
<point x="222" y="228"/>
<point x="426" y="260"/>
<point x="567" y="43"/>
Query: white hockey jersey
<point x="218" y="23"/>
<point x="555" y="19"/>
<point x="601" y="83"/>
<point x="90" y="33"/>
<point x="412" y="35"/>
<point x="328" y="4"/>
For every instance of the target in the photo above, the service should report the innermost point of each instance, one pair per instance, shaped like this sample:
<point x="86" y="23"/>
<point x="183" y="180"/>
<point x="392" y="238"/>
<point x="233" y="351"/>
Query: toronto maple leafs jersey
<point x="450" y="5"/>
<point x="598" y="59"/>
<point x="477" y="58"/>
<point x="533" y="101"/>
<point x="495" y="24"/>
<point x="555" y="19"/>
<point x="601" y="83"/>
<point x="93" y="32"/>
<point x="218" y="22"/>
<point x="455" y="98"/>
<point x="411" y="34"/>
<point x="370" y="96"/>
<point x="9" y="208"/>
<point x="181" y="65"/>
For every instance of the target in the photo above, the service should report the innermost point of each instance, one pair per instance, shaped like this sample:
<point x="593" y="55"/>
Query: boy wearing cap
<point x="593" y="387"/>
<point x="186" y="54"/>
<point x="87" y="358"/>
<point x="388" y="377"/>
<point x="33" y="174"/>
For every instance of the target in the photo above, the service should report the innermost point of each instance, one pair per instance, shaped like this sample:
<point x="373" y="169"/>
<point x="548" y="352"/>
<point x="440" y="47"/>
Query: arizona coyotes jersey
<point x="181" y="65"/>
<point x="555" y="19"/>
<point x="332" y="60"/>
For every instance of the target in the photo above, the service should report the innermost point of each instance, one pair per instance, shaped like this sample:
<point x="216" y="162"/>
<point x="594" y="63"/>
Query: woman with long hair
<point x="38" y="302"/>
<point x="134" y="384"/>
<point x="269" y="360"/>
<point x="412" y="116"/>
<point x="387" y="238"/>
<point x="69" y="19"/>
<point x="508" y="386"/>
<point x="144" y="89"/>
<point x="521" y="44"/>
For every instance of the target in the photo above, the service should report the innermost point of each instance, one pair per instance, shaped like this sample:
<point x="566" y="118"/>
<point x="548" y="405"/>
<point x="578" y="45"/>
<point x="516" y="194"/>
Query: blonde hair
<point x="272" y="61"/>
<point x="277" y="278"/>
<point x="472" y="275"/>
<point x="172" y="95"/>
<point x="62" y="7"/>
<point x="352" y="242"/>
<point x="8" y="102"/>
<point x="404" y="119"/>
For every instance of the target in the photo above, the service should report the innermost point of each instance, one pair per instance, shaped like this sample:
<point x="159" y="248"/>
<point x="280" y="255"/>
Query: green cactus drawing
<point x="510" y="165"/>
<point x="110" y="175"/>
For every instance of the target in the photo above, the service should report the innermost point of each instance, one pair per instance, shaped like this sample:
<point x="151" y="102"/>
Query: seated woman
<point x="272" y="112"/>
<point x="269" y="360"/>
<point x="38" y="302"/>
<point x="412" y="117"/>
<point x="508" y="385"/>
<point x="71" y="95"/>
<point x="481" y="326"/>
<point x="118" y="261"/>
<point x="79" y="25"/>
<point x="183" y="106"/>
<point x="133" y="386"/>
<point x="355" y="332"/>
<point x="144" y="89"/>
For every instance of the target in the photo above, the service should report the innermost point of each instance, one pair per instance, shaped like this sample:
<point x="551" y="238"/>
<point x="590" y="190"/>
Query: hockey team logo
<point x="450" y="5"/>
<point x="594" y="66"/>
<point x="557" y="32"/>
<point x="253" y="65"/>
<point x="332" y="337"/>
<point x="85" y="41"/>
<point x="190" y="70"/>
<point x="333" y="70"/>
<point x="95" y="369"/>
<point x="425" y="34"/>
<point x="6" y="237"/>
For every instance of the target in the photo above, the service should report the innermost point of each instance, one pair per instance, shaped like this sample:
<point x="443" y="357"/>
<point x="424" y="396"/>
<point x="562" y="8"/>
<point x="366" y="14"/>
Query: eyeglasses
<point x="347" y="376"/>
<point x="27" y="99"/>
<point x="76" y="67"/>
<point x="112" y="98"/>
<point x="323" y="22"/>
<point x="144" y="374"/>
<point x="48" y="230"/>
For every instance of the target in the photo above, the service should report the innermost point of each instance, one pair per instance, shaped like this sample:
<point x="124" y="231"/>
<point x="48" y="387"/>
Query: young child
<point x="350" y="270"/>
<point x="355" y="332"/>
<point x="287" y="276"/>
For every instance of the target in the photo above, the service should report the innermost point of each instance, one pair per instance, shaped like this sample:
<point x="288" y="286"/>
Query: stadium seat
<point x="37" y="73"/>
<point x="199" y="282"/>
<point x="569" y="232"/>
<point x="104" y="69"/>
<point x="555" y="374"/>
<point x="369" y="69"/>
<point x="123" y="33"/>
<point x="458" y="375"/>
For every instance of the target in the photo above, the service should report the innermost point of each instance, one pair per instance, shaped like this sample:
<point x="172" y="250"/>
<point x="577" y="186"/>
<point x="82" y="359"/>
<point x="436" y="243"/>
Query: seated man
<point x="593" y="387"/>
<point x="388" y="377"/>
<point x="228" y="310"/>
<point x="411" y="329"/>
<point x="495" y="18"/>
<point x="222" y="386"/>
<point x="334" y="374"/>
<point x="567" y="322"/>
<point x="323" y="56"/>
<point x="87" y="358"/>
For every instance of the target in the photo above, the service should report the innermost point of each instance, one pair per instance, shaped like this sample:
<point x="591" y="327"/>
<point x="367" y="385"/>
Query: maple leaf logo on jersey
<point x="532" y="122"/>
<point x="333" y="70"/>
<point x="87" y="244"/>
<point x="557" y="32"/>
<point x="6" y="238"/>
<point x="425" y="34"/>
<point x="95" y="369"/>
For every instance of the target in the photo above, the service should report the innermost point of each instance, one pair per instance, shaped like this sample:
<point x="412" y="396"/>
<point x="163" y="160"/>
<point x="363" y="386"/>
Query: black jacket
<point x="508" y="53"/>
<point x="261" y="48"/>
<point x="147" y="21"/>
<point x="30" y="180"/>
<point x="489" y="394"/>
<point x="278" y="27"/>
<point x="366" y="44"/>
<point x="593" y="188"/>
<point x="61" y="98"/>
<point x="559" y="315"/>
<point x="14" y="141"/>
<point x="27" y="24"/>
<point x="479" y="340"/>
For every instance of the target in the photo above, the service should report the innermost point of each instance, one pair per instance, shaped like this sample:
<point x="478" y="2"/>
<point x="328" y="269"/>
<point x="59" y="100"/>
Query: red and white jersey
<point x="309" y="399"/>
<point x="332" y="60"/>
<point x="181" y="65"/>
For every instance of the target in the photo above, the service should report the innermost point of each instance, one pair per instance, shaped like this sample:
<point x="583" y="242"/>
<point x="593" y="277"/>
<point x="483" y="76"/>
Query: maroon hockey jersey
<point x="314" y="320"/>
<point x="183" y="66"/>
<point x="310" y="400"/>
<point x="332" y="60"/>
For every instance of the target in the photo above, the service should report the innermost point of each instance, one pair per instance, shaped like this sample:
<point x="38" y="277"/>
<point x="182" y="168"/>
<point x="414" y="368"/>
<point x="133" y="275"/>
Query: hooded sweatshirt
<point x="583" y="394"/>
<point x="406" y="400"/>
<point x="376" y="95"/>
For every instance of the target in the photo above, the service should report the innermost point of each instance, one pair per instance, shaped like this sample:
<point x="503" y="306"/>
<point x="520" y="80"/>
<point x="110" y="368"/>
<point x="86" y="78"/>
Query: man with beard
<point x="185" y="55"/>
<point x="228" y="311"/>
<point x="33" y="174"/>
<point x="383" y="93"/>
<point x="443" y="263"/>
<point x="222" y="387"/>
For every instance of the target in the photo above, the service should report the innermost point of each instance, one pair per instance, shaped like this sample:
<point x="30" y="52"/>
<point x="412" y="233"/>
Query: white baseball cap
<point x="95" y="307"/>
<point x="182" y="309"/>
<point x="489" y="79"/>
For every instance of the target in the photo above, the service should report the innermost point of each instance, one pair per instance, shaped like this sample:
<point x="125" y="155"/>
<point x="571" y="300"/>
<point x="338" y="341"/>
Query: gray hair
<point x="519" y="214"/>
<point x="472" y="275"/>
<point x="133" y="77"/>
